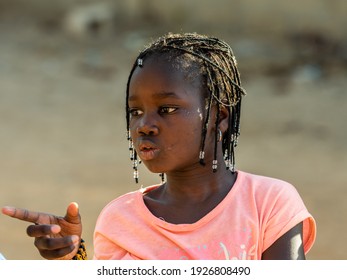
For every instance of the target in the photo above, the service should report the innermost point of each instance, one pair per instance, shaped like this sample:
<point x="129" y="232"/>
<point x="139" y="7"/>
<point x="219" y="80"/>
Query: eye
<point x="167" y="110"/>
<point x="134" y="112"/>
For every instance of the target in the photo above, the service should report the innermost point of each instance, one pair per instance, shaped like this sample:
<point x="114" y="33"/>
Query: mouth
<point x="147" y="151"/>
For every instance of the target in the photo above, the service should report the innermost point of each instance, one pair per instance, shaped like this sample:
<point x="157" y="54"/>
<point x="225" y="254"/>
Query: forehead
<point x="174" y="61"/>
<point x="162" y="73"/>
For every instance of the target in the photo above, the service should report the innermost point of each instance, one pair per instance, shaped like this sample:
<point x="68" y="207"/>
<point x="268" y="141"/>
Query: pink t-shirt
<point x="255" y="213"/>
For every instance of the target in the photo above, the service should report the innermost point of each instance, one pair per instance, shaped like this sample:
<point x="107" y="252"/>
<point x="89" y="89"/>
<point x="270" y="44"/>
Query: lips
<point x="147" y="151"/>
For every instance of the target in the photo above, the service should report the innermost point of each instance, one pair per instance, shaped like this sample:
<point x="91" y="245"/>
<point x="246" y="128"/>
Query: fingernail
<point x="75" y="239"/>
<point x="8" y="210"/>
<point x="55" y="229"/>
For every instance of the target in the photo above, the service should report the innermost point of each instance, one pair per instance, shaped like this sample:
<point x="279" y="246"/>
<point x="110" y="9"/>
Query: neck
<point x="199" y="186"/>
<point x="186" y="197"/>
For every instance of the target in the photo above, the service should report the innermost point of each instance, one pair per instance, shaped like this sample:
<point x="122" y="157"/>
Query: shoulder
<point x="262" y="181"/>
<point x="122" y="201"/>
<point x="269" y="191"/>
<point x="124" y="205"/>
<point x="264" y="184"/>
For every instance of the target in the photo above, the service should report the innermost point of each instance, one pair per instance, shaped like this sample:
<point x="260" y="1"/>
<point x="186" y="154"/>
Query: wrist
<point x="81" y="252"/>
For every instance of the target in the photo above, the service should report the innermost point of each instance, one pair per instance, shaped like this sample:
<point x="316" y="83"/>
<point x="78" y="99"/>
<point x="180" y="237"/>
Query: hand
<point x="55" y="237"/>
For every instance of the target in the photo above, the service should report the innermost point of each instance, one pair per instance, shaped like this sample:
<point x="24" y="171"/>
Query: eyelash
<point x="162" y="110"/>
<point x="168" y="109"/>
<point x="134" y="112"/>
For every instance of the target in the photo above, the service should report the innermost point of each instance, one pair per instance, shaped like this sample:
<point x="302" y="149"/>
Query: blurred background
<point x="63" y="71"/>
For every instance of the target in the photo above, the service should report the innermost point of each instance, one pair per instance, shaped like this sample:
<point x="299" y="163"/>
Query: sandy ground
<point x="62" y="132"/>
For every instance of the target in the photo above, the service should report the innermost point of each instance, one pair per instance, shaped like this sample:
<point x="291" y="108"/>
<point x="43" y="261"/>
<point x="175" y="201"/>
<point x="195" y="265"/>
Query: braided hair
<point x="217" y="66"/>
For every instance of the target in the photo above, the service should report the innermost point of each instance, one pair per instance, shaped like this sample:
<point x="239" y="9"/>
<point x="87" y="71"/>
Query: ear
<point x="223" y="119"/>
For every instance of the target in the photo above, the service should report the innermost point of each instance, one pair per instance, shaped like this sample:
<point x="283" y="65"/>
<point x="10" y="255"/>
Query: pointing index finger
<point x="23" y="214"/>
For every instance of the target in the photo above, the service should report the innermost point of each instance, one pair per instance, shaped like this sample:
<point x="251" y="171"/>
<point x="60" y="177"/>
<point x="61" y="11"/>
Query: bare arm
<point x="55" y="237"/>
<point x="288" y="247"/>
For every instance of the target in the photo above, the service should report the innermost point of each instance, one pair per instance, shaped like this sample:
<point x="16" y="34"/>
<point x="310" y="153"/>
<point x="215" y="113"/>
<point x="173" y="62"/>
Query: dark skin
<point x="56" y="237"/>
<point x="163" y="104"/>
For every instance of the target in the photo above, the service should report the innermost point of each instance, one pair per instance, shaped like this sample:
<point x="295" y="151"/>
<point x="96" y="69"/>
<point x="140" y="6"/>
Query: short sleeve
<point x="284" y="210"/>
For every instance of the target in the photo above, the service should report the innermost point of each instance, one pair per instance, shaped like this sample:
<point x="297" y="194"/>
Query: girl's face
<point x="166" y="116"/>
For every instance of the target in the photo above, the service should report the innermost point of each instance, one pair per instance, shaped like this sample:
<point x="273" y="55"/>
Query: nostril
<point x="147" y="130"/>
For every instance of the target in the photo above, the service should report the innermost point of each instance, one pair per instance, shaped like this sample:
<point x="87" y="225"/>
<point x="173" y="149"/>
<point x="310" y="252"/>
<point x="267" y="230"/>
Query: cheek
<point x="132" y="127"/>
<point x="194" y="127"/>
<point x="187" y="138"/>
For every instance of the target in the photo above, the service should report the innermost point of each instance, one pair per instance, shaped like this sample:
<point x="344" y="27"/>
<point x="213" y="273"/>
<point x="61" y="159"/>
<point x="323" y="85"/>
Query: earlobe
<point x="223" y="119"/>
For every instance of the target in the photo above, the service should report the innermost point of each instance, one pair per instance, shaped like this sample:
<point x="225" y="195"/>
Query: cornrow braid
<point x="218" y="67"/>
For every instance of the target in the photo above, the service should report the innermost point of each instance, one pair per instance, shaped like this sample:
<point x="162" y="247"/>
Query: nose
<point x="147" y="126"/>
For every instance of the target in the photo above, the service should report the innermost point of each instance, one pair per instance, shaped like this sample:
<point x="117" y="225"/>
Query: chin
<point x="153" y="168"/>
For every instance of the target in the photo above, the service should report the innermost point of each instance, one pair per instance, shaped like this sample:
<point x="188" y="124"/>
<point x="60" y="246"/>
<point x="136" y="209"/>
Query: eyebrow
<point x="159" y="95"/>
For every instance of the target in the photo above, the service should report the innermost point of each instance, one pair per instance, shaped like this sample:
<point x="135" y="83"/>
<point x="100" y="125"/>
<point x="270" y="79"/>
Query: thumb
<point x="72" y="213"/>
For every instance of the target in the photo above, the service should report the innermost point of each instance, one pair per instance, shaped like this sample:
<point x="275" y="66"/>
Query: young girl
<point x="183" y="104"/>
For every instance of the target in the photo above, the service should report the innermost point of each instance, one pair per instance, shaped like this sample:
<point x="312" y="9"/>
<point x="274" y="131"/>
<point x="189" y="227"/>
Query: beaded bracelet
<point x="81" y="253"/>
